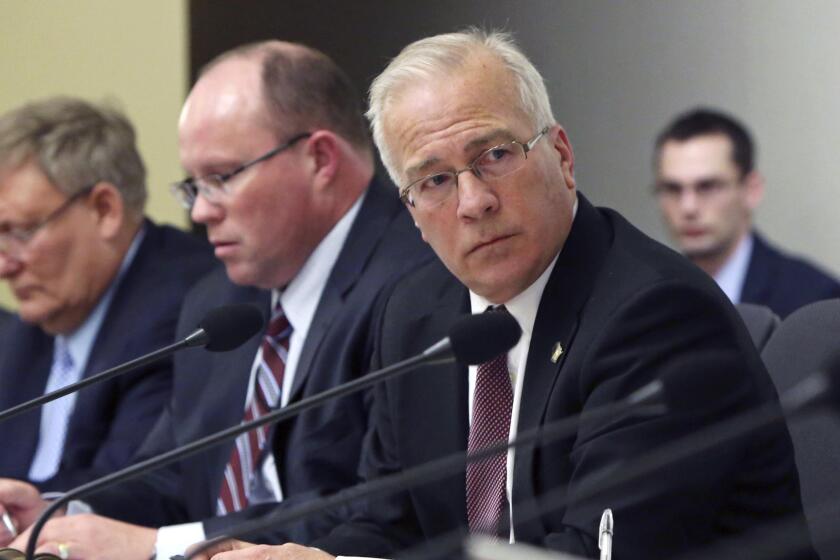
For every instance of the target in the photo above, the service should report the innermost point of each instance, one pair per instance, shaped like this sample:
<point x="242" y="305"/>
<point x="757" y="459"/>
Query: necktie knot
<point x="278" y="326"/>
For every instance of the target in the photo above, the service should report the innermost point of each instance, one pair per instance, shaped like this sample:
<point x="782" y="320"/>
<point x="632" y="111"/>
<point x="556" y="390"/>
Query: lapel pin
<point x="556" y="353"/>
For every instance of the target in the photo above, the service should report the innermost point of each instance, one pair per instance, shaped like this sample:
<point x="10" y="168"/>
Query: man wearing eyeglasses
<point x="464" y="126"/>
<point x="96" y="284"/>
<point x="282" y="176"/>
<point x="708" y="189"/>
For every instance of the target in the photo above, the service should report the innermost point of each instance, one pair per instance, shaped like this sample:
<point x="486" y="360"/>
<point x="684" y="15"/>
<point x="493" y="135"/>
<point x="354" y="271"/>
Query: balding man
<point x="282" y="176"/>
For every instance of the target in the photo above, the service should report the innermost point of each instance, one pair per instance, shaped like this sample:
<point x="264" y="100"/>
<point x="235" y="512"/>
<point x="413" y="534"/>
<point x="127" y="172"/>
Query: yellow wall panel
<point x="133" y="54"/>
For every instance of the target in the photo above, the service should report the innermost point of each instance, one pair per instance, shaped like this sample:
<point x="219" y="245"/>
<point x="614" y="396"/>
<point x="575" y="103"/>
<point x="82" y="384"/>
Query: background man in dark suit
<point x="464" y="125"/>
<point x="708" y="189"/>
<point x="96" y="285"/>
<point x="283" y="179"/>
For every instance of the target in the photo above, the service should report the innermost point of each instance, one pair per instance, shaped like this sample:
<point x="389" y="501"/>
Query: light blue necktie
<point x="54" y="415"/>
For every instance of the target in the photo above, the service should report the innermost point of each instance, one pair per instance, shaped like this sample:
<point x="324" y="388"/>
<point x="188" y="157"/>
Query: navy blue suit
<point x="5" y="318"/>
<point x="317" y="452"/>
<point x="782" y="282"/>
<point x="626" y="310"/>
<point x="110" y="419"/>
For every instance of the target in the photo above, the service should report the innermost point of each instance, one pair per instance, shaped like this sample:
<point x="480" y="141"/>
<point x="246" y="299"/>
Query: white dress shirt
<point x="299" y="300"/>
<point x="523" y="308"/>
<point x="733" y="273"/>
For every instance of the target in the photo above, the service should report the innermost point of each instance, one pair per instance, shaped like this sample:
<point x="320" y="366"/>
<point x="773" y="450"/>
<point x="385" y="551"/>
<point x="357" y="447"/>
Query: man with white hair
<point x="465" y="128"/>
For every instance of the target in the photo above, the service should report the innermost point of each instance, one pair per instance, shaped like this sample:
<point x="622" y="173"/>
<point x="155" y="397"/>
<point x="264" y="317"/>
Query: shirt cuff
<point x="175" y="539"/>
<point x="75" y="507"/>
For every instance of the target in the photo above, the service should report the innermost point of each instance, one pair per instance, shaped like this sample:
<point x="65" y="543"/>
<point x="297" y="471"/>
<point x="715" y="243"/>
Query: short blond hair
<point x="76" y="144"/>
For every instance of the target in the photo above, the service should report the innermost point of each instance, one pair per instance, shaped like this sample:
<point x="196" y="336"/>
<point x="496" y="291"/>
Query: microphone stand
<point x="438" y="356"/>
<point x="795" y="402"/>
<point x="103" y="376"/>
<point x="436" y="469"/>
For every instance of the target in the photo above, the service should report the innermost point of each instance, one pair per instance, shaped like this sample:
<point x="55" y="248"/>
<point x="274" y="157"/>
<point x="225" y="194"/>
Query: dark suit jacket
<point x="317" y="452"/>
<point x="626" y="311"/>
<point x="782" y="282"/>
<point x="110" y="419"/>
<point x="5" y="318"/>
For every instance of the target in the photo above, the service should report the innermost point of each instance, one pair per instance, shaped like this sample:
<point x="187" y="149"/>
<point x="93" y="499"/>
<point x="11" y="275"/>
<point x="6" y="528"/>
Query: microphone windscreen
<point x="479" y="338"/>
<point x="229" y="326"/>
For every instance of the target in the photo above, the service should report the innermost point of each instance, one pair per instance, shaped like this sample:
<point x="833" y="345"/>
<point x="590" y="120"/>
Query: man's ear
<point x="106" y="202"/>
<point x="754" y="189"/>
<point x="563" y="147"/>
<point x="324" y="149"/>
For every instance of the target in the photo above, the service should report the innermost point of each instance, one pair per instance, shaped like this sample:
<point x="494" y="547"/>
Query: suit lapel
<point x="25" y="370"/>
<point x="757" y="283"/>
<point x="364" y="235"/>
<point x="562" y="302"/>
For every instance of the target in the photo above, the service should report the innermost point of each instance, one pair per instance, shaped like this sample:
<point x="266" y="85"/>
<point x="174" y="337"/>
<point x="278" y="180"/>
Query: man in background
<point x="708" y="189"/>
<point x="96" y="284"/>
<point x="282" y="176"/>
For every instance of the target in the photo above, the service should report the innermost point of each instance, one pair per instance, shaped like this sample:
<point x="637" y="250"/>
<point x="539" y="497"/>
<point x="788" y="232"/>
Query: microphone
<point x="679" y="388"/>
<point x="473" y="339"/>
<point x="222" y="329"/>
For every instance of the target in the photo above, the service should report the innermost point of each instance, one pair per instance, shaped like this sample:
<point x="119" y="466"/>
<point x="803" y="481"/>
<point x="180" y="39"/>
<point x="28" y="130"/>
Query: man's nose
<point x="689" y="201"/>
<point x="205" y="212"/>
<point x="475" y="197"/>
<point x="9" y="266"/>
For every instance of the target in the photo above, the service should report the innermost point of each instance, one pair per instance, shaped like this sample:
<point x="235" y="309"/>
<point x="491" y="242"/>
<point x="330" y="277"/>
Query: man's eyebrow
<point x="495" y="135"/>
<point x="421" y="167"/>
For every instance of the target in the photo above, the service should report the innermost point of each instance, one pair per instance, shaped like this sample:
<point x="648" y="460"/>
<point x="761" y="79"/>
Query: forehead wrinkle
<point x="463" y="125"/>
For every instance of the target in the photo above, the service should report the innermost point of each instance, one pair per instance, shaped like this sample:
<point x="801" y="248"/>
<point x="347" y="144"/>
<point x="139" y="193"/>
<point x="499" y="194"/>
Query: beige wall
<point x="132" y="53"/>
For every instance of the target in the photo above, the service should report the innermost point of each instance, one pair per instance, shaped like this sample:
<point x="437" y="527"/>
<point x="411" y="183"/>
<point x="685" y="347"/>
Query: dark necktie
<point x="486" y="479"/>
<point x="268" y="386"/>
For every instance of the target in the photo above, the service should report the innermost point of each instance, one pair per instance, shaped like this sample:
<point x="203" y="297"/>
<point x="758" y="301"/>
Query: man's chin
<point x="700" y="251"/>
<point x="40" y="318"/>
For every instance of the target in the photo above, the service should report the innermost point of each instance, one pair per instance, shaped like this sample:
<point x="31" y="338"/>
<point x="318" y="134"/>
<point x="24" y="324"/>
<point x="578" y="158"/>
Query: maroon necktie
<point x="268" y="380"/>
<point x="492" y="405"/>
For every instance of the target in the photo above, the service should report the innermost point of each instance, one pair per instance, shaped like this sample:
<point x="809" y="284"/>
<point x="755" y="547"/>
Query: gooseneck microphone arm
<point x="223" y="328"/>
<point x="801" y="400"/>
<point x="103" y="376"/>
<point x="462" y="346"/>
<point x="641" y="402"/>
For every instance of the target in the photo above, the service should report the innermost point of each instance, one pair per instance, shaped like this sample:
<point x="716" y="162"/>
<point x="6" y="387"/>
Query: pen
<point x="10" y="525"/>
<point x="605" y="535"/>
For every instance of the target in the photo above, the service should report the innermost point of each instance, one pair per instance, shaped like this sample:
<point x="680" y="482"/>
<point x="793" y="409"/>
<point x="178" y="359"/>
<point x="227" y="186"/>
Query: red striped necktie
<point x="268" y="387"/>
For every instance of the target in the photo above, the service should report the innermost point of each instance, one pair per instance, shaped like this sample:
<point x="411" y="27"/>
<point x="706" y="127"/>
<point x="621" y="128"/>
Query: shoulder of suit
<point x="797" y="269"/>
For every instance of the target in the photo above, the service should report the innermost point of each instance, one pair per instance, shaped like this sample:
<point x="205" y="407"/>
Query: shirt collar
<point x="300" y="298"/>
<point x="732" y="274"/>
<point x="80" y="341"/>
<point x="523" y="306"/>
